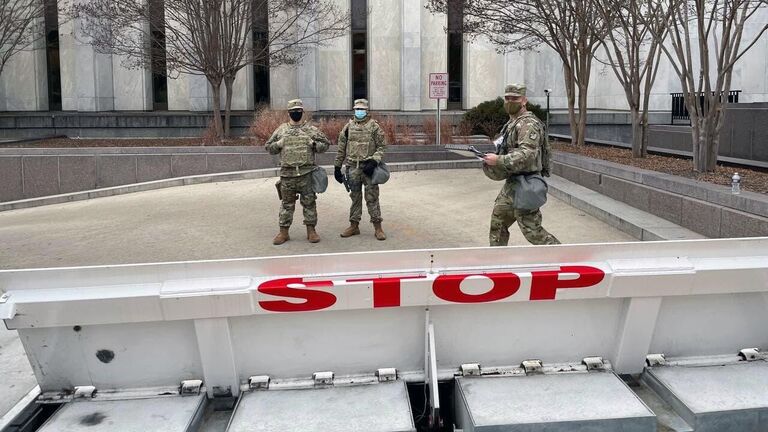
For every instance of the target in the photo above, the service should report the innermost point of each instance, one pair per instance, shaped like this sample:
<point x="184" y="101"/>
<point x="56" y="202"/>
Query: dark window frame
<point x="158" y="64"/>
<point x="261" y="80"/>
<point x="53" y="62"/>
<point x="455" y="54"/>
<point x="359" y="69"/>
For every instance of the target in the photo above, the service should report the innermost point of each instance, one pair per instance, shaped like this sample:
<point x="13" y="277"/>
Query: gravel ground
<point x="752" y="179"/>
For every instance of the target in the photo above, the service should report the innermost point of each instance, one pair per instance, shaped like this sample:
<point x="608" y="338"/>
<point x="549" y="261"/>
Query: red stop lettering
<point x="312" y="299"/>
<point x="386" y="291"/>
<point x="546" y="283"/>
<point x="448" y="287"/>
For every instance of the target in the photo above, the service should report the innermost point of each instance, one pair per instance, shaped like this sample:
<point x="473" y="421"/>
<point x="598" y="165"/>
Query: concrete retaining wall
<point x="32" y="173"/>
<point x="708" y="209"/>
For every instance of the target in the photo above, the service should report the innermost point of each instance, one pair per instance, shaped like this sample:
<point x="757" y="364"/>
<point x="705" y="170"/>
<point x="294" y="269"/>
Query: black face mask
<point x="296" y="115"/>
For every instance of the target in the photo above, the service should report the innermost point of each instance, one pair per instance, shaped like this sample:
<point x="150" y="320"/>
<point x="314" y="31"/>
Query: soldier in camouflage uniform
<point x="361" y="149"/>
<point x="297" y="143"/>
<point x="523" y="151"/>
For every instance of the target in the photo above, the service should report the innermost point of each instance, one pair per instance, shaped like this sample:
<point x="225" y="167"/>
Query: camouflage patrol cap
<point x="361" y="104"/>
<point x="514" y="90"/>
<point x="295" y="104"/>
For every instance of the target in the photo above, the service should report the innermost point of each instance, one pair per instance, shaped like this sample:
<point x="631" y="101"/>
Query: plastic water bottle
<point x="736" y="184"/>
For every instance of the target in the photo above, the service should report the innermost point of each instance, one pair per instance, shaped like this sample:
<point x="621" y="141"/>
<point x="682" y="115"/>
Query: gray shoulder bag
<point x="530" y="192"/>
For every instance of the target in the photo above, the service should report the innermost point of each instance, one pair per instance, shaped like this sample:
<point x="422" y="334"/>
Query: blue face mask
<point x="360" y="114"/>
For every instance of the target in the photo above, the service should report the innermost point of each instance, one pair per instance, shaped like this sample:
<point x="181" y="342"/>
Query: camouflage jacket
<point x="297" y="146"/>
<point x="522" y="145"/>
<point x="360" y="140"/>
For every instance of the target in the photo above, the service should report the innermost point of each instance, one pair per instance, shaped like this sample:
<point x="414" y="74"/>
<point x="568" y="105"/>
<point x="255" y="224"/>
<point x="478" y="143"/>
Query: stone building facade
<point x="387" y="57"/>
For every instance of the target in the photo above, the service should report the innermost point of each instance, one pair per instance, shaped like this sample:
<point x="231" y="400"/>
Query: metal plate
<point x="163" y="414"/>
<point x="716" y="398"/>
<point x="383" y="407"/>
<point x="595" y="402"/>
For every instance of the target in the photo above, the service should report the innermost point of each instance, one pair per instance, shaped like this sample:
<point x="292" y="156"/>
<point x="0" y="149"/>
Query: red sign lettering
<point x="448" y="287"/>
<point x="546" y="283"/>
<point x="313" y="299"/>
<point x="386" y="291"/>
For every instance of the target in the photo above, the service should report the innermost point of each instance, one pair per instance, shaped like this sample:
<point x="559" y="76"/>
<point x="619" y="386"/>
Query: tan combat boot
<point x="282" y="237"/>
<point x="353" y="229"/>
<point x="312" y="235"/>
<point x="379" y="233"/>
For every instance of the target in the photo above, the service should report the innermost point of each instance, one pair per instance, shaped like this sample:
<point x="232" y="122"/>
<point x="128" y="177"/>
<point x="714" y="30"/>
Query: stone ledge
<point x="211" y="178"/>
<point x="637" y="223"/>
<point x="748" y="202"/>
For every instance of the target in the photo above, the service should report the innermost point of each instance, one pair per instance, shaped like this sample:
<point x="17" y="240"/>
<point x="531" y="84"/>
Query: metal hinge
<point x="749" y="354"/>
<point x="258" y="382"/>
<point x="190" y="387"/>
<point x="386" y="374"/>
<point x="532" y="366"/>
<point x="84" y="392"/>
<point x="322" y="378"/>
<point x="470" y="369"/>
<point x="655" y="360"/>
<point x="594" y="363"/>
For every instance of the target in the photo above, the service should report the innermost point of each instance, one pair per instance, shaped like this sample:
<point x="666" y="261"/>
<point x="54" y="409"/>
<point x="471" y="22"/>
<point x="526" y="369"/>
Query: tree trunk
<point x="228" y="83"/>
<point x="637" y="132"/>
<point x="582" y="121"/>
<point x="216" y="86"/>
<point x="570" y="91"/>
<point x="644" y="132"/>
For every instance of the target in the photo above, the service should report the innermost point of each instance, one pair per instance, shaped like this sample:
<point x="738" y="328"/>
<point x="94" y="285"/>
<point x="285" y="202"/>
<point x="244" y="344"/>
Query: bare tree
<point x="21" y="24"/>
<point x="211" y="37"/>
<point x="573" y="29"/>
<point x="706" y="40"/>
<point x="633" y="53"/>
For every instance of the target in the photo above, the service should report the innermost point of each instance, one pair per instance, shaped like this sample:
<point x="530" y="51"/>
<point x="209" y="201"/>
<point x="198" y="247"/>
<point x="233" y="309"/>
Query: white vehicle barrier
<point x="248" y="325"/>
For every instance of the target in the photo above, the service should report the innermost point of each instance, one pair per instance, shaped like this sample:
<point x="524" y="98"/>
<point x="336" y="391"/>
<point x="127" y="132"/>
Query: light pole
<point x="547" y="91"/>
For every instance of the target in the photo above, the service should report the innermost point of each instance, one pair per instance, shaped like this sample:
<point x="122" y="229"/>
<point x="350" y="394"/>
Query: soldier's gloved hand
<point x="368" y="167"/>
<point x="337" y="174"/>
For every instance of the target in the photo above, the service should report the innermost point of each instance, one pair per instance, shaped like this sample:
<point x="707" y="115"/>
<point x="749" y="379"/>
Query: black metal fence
<point x="680" y="111"/>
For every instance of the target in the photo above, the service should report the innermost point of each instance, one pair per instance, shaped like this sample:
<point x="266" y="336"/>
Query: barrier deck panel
<point x="162" y="414"/>
<point x="716" y="398"/>
<point x="381" y="407"/>
<point x="595" y="402"/>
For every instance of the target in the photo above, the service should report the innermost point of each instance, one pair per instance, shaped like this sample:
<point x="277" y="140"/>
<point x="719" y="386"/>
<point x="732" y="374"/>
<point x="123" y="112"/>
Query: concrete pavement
<point x="421" y="209"/>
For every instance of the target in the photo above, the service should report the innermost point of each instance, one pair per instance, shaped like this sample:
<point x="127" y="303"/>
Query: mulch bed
<point x="752" y="179"/>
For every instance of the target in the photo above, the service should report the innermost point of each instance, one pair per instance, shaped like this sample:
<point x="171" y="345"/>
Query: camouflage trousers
<point x="356" y="182"/>
<point x="290" y="187"/>
<point x="504" y="215"/>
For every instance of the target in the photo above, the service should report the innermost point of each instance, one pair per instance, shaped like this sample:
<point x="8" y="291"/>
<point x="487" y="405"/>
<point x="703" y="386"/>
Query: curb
<point x="637" y="223"/>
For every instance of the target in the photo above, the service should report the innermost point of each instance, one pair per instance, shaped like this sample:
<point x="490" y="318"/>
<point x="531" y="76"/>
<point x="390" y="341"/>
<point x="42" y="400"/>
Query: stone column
<point x="24" y="82"/>
<point x="334" y="71"/>
<point x="86" y="76"/>
<point x="434" y="52"/>
<point x="485" y="72"/>
<point x="410" y="70"/>
<point x="384" y="54"/>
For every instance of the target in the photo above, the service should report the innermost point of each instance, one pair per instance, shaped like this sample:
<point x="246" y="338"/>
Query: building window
<point x="260" y="52"/>
<point x="455" y="53"/>
<point x="159" y="68"/>
<point x="52" y="54"/>
<point x="359" y="49"/>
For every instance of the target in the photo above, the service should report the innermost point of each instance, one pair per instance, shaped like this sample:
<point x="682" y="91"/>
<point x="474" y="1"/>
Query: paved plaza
<point x="421" y="209"/>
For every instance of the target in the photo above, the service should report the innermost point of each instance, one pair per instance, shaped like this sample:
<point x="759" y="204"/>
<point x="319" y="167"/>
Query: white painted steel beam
<point x="286" y="317"/>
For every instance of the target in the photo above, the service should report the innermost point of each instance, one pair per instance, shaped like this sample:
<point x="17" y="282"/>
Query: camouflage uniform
<point x="297" y="146"/>
<point x="361" y="140"/>
<point x="520" y="153"/>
